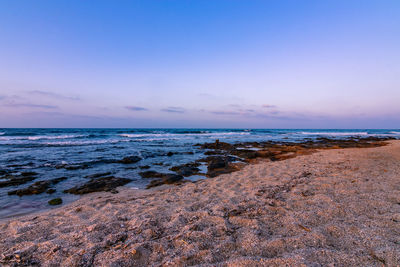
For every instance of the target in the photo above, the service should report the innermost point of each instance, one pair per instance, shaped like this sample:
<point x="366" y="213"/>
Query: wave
<point x="394" y="132"/>
<point x="335" y="133"/>
<point x="178" y="135"/>
<point x="83" y="143"/>
<point x="2" y="133"/>
<point x="40" y="137"/>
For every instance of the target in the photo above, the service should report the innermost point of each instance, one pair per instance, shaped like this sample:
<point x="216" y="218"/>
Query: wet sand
<point x="337" y="207"/>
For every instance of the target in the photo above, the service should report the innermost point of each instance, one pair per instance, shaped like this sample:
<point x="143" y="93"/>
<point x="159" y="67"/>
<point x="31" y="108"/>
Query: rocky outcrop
<point x="129" y="160"/>
<point x="55" y="201"/>
<point x="97" y="185"/>
<point x="14" y="180"/>
<point x="37" y="188"/>
<point x="186" y="170"/>
<point x="166" y="179"/>
<point x="161" y="178"/>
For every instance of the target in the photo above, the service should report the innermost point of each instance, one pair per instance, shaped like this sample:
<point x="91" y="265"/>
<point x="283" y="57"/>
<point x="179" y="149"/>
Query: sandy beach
<point x="337" y="207"/>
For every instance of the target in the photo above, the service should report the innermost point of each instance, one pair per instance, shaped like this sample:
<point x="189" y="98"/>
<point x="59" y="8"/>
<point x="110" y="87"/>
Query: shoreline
<point x="303" y="210"/>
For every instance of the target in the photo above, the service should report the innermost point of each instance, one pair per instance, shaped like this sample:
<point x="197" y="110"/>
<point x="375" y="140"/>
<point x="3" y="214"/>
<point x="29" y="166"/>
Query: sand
<point x="337" y="207"/>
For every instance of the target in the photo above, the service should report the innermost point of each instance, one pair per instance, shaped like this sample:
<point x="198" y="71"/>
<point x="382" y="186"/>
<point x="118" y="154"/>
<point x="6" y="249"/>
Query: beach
<point x="334" y="207"/>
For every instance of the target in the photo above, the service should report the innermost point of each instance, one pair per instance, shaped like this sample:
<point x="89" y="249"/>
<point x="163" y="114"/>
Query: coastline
<point x="337" y="206"/>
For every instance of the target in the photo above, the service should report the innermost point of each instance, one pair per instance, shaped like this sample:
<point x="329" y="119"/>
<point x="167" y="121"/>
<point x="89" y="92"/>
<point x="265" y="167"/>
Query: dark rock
<point x="171" y="178"/>
<point x="244" y="153"/>
<point x="210" y="159"/>
<point x="13" y="181"/>
<point x="186" y="169"/>
<point x="97" y="175"/>
<point x="130" y="160"/>
<point x="151" y="174"/>
<point x="114" y="191"/>
<point x="217" y="145"/>
<point x="169" y="154"/>
<point x="55" y="201"/>
<point x="51" y="191"/>
<point x="72" y="166"/>
<point x="166" y="179"/>
<point x="220" y="165"/>
<point x="214" y="152"/>
<point x="97" y="185"/>
<point x="37" y="188"/>
<point x="144" y="167"/>
<point x="217" y="163"/>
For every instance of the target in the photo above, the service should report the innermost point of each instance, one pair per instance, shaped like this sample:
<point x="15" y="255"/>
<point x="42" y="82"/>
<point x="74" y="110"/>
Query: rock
<point x="151" y="174"/>
<point x="145" y="167"/>
<point x="72" y="166"/>
<point x="163" y="178"/>
<point x="55" y="201"/>
<point x="214" y="152"/>
<point x="217" y="145"/>
<point x="37" y="188"/>
<point x="217" y="163"/>
<point x="13" y="181"/>
<point x="169" y="154"/>
<point x="51" y="191"/>
<point x="186" y="169"/>
<point x="171" y="178"/>
<point x="167" y="179"/>
<point x="97" y="175"/>
<point x="220" y="165"/>
<point x="114" y="191"/>
<point x="97" y="185"/>
<point x="244" y="153"/>
<point x="130" y="160"/>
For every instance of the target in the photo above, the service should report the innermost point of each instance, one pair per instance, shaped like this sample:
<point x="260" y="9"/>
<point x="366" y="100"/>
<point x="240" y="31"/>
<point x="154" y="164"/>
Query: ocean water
<point x="45" y="150"/>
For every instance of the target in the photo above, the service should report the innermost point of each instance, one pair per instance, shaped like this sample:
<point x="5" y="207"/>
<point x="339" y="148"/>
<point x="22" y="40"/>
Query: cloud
<point x="173" y="110"/>
<point x="234" y="105"/>
<point x="238" y="112"/>
<point x="134" y="108"/>
<point x="268" y="106"/>
<point x="15" y="101"/>
<point x="219" y="112"/>
<point x="53" y="95"/>
<point x="30" y="105"/>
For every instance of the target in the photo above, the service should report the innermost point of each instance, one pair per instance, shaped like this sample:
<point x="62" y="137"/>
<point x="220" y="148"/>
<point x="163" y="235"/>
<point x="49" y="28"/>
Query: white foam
<point x="178" y="135"/>
<point x="394" y="132"/>
<point x="53" y="137"/>
<point x="40" y="137"/>
<point x="2" y="133"/>
<point x="79" y="143"/>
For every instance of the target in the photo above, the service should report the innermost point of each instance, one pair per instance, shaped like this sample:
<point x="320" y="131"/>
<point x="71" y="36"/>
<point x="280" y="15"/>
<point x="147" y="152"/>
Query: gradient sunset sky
<point x="236" y="64"/>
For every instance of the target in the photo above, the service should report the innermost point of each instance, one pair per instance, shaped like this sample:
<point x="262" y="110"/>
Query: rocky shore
<point x="310" y="204"/>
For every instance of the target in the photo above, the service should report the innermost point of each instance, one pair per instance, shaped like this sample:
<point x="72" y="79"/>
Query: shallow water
<point x="45" y="150"/>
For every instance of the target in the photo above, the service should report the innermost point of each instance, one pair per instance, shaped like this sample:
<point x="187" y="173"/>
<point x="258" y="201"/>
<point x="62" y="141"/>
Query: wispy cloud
<point x="16" y="101"/>
<point x="174" y="110"/>
<point x="268" y="106"/>
<point x="53" y="95"/>
<point x="220" y="112"/>
<point x="234" y="105"/>
<point x="30" y="105"/>
<point x="135" y="108"/>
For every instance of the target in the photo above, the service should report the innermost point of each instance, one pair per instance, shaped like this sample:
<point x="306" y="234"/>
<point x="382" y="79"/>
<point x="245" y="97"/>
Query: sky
<point x="200" y="64"/>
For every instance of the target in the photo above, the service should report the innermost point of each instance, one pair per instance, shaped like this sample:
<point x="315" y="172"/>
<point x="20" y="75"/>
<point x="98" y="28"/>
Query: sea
<point x="49" y="152"/>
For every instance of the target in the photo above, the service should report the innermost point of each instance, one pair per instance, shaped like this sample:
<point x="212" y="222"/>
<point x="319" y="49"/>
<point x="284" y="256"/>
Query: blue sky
<point x="260" y="64"/>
